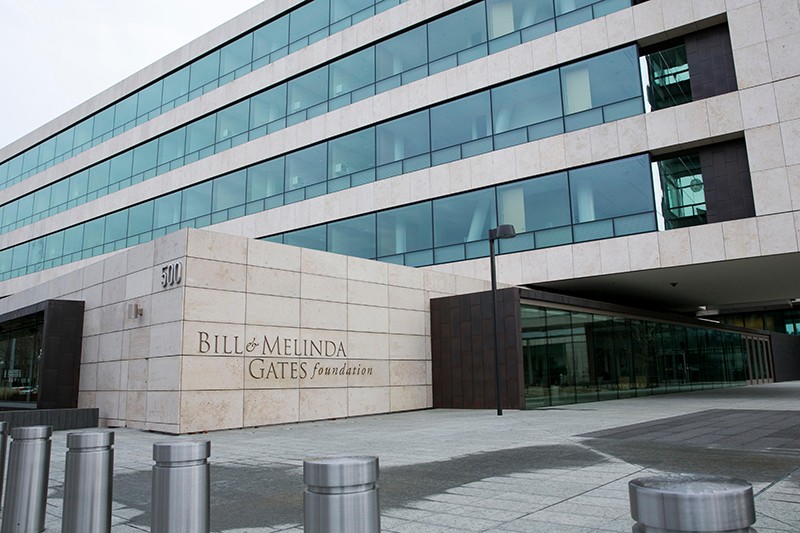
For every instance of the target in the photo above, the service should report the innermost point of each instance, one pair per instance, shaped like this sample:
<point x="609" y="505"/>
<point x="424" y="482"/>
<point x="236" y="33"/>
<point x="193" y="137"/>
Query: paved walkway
<point x="556" y="470"/>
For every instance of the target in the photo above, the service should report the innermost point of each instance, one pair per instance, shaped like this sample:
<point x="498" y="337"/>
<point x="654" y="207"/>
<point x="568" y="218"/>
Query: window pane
<point x="406" y="229"/>
<point x="41" y="200"/>
<point x="176" y="84"/>
<point x="93" y="233"/>
<point x="200" y="134"/>
<point x="167" y="210"/>
<point x="103" y="122"/>
<point x="125" y="111"/>
<point x="83" y="132"/>
<point x="271" y="37"/>
<point x="351" y="153"/>
<point x="352" y="72"/>
<point x="236" y="54"/>
<point x="116" y="226"/>
<point x="565" y="6"/>
<point x="149" y="99"/>
<point x="233" y="120"/>
<point x="506" y="16"/>
<point x="144" y="156"/>
<point x="229" y="191"/>
<point x="306" y="167"/>
<point x="54" y="246"/>
<point x="196" y="201"/>
<point x="204" y="71"/>
<point x="344" y="8"/>
<point x="404" y="52"/>
<point x="314" y="238"/>
<point x="121" y="167"/>
<point x="458" y="31"/>
<point x="460" y="121"/>
<point x="24" y="209"/>
<point x="526" y="102"/>
<point x="170" y="146"/>
<point x="78" y="185"/>
<point x="73" y="239"/>
<point x="535" y="204"/>
<point x="265" y="180"/>
<point x="611" y="189"/>
<point x="268" y="106"/>
<point x="464" y="218"/>
<point x="98" y="176"/>
<point x="355" y="237"/>
<point x="403" y="138"/>
<point x="140" y="218"/>
<point x="308" y="19"/>
<point x="601" y="80"/>
<point x="308" y="90"/>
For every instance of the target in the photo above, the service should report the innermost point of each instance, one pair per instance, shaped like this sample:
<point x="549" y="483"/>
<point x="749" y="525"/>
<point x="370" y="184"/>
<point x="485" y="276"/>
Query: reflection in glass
<point x="405" y="229"/>
<point x="355" y="236"/>
<point x="463" y="218"/>
<point x="507" y="16"/>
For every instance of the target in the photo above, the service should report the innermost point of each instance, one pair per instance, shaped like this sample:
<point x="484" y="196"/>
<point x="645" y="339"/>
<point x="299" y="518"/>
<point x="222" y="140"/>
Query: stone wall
<point x="250" y="333"/>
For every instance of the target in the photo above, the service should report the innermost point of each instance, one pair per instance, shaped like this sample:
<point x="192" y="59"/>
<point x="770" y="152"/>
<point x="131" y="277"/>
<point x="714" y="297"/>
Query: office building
<point x="647" y="154"/>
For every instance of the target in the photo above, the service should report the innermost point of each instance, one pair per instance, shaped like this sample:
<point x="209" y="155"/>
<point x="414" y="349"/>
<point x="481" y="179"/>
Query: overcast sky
<point x="55" y="54"/>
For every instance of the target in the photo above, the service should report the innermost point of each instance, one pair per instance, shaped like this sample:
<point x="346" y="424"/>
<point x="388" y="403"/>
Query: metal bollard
<point x="181" y="487"/>
<point x="676" y="503"/>
<point x="88" y="476"/>
<point x="3" y="439"/>
<point x="341" y="495"/>
<point x="26" y="486"/>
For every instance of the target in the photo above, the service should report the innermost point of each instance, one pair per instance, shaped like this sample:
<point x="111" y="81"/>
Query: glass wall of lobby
<point x="574" y="357"/>
<point x="20" y="357"/>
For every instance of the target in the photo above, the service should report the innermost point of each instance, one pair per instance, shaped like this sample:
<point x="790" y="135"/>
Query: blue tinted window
<point x="229" y="191"/>
<point x="305" y="167"/>
<point x="233" y="120"/>
<point x="308" y="19"/>
<point x="271" y="37"/>
<point x="140" y="218"/>
<point x="236" y="54"/>
<point x="352" y="72"/>
<point x="308" y="90"/>
<point x="460" y="121"/>
<point x="526" y="102"/>
<point x="612" y="189"/>
<point x="461" y="30"/>
<point x="167" y="210"/>
<point x="176" y="85"/>
<point x="170" y="146"/>
<point x="402" y="53"/>
<point x="406" y="229"/>
<point x="535" y="204"/>
<point x="601" y="80"/>
<point x="145" y="156"/>
<point x="268" y="106"/>
<point x="265" y="180"/>
<point x="204" y="71"/>
<point x="402" y="138"/>
<point x="196" y="201"/>
<point x="200" y="134"/>
<point x="98" y="176"/>
<point x="345" y="8"/>
<point x="351" y="153"/>
<point x="121" y="166"/>
<point x="116" y="226"/>
<point x="507" y="16"/>
<point x="464" y="218"/>
<point x="355" y="236"/>
<point x="313" y="238"/>
<point x="125" y="111"/>
<point x="149" y="98"/>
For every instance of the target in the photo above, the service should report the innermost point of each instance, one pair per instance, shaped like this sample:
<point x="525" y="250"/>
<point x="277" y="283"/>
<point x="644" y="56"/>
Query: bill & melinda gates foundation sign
<point x="310" y="358"/>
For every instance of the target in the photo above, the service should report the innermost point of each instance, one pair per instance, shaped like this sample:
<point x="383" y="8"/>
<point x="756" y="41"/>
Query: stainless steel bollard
<point x="3" y="440"/>
<point x="26" y="486"/>
<point x="181" y="487"/>
<point x="675" y="503"/>
<point x="341" y="495"/>
<point x="88" y="477"/>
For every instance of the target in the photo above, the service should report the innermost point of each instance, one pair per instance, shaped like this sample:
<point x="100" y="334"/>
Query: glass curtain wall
<point x="20" y="357"/>
<point x="575" y="357"/>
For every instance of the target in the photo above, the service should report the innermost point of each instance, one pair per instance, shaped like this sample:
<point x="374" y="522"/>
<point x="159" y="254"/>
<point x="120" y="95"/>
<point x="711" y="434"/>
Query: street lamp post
<point x="503" y="231"/>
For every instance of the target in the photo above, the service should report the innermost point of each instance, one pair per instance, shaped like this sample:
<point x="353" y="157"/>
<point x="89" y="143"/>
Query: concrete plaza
<point x="555" y="470"/>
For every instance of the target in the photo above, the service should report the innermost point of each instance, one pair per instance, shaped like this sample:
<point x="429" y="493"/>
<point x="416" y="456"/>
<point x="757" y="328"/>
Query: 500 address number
<point x="171" y="274"/>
